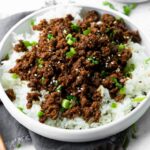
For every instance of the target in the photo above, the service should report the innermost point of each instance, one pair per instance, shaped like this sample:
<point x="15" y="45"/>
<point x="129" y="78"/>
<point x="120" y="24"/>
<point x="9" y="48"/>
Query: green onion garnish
<point x="71" y="53"/>
<point x="93" y="60"/>
<point x="59" y="88"/>
<point x="75" y="27"/>
<point x="42" y="80"/>
<point x="70" y="42"/>
<point x="66" y="103"/>
<point x="113" y="105"/>
<point x="28" y="44"/>
<point x="128" y="8"/>
<point x="110" y="5"/>
<point x="15" y="76"/>
<point x="122" y="91"/>
<point x="32" y="22"/>
<point x="73" y="100"/>
<point x="40" y="114"/>
<point x="39" y="62"/>
<point x="128" y="69"/>
<point x="50" y="36"/>
<point x="121" y="47"/>
<point x="20" y="108"/>
<point x="70" y="39"/>
<point x="147" y="61"/>
<point x="117" y="84"/>
<point x="86" y="32"/>
<point x="68" y="36"/>
<point x="138" y="99"/>
<point x="71" y="97"/>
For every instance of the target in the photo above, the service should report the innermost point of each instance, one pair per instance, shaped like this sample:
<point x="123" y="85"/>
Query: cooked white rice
<point x="138" y="86"/>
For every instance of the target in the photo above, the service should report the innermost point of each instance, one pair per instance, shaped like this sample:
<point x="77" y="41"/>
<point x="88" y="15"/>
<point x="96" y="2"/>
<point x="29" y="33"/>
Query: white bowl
<point x="65" y="134"/>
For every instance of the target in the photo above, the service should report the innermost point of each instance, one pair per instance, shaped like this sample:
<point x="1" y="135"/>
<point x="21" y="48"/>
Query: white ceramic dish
<point x="64" y="134"/>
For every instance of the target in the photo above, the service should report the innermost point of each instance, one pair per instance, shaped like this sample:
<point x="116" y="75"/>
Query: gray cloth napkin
<point x="15" y="134"/>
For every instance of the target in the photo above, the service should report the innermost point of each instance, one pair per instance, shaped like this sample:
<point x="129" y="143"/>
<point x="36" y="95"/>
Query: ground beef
<point x="70" y="61"/>
<point x="10" y="93"/>
<point x="32" y="97"/>
<point x="20" y="47"/>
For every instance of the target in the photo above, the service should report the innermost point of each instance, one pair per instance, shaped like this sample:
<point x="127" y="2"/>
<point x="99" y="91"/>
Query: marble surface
<point x="141" y="16"/>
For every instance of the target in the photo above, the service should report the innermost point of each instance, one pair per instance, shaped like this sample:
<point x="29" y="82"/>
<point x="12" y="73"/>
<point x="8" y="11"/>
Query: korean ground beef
<point x="71" y="60"/>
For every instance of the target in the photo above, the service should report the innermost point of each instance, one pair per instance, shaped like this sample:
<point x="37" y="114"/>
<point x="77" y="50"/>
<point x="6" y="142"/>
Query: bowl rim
<point x="35" y="123"/>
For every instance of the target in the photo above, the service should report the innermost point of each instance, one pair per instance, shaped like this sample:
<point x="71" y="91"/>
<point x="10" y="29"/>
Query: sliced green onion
<point x="71" y="97"/>
<point x="66" y="104"/>
<point x="15" y="76"/>
<point x="117" y="84"/>
<point x="122" y="91"/>
<point x="113" y="105"/>
<point x="20" y="108"/>
<point x="86" y="32"/>
<point x="73" y="100"/>
<point x="28" y="44"/>
<point x="59" y="88"/>
<point x="69" y="36"/>
<point x="39" y="62"/>
<point x="138" y="99"/>
<point x="121" y="47"/>
<point x="32" y="22"/>
<point x="128" y="8"/>
<point x="93" y="60"/>
<point x="42" y="80"/>
<point x="71" y="53"/>
<point x="50" y="36"/>
<point x="70" y="41"/>
<point x="40" y="114"/>
<point x="128" y="69"/>
<point x="33" y="43"/>
<point x="147" y="61"/>
<point x="110" y="5"/>
<point x="75" y="27"/>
